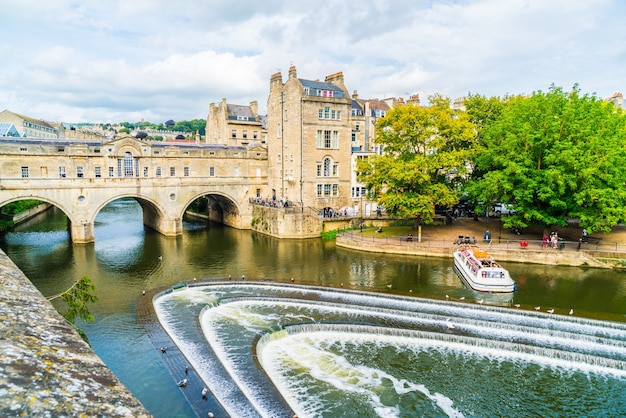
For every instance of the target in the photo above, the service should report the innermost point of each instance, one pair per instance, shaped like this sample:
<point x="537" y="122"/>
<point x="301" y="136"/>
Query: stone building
<point x="617" y="99"/>
<point x="31" y="127"/>
<point x="309" y="140"/>
<point x="230" y="124"/>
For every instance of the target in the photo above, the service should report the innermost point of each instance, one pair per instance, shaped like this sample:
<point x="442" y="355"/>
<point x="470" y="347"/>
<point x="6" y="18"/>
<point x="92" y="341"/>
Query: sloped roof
<point x="320" y="85"/>
<point x="240" y="110"/>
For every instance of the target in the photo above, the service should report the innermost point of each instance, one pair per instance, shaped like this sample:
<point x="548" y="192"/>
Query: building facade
<point x="30" y="127"/>
<point x="233" y="125"/>
<point x="309" y="140"/>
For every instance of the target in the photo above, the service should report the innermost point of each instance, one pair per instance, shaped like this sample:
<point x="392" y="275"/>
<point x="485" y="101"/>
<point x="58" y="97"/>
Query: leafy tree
<point x="426" y="150"/>
<point x="124" y="131"/>
<point x="555" y="155"/>
<point x="77" y="298"/>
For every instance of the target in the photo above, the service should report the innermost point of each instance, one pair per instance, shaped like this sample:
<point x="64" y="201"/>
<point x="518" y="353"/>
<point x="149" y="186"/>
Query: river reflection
<point x="125" y="260"/>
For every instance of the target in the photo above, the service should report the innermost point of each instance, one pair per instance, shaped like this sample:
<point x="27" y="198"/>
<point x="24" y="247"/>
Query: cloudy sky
<point x="127" y="60"/>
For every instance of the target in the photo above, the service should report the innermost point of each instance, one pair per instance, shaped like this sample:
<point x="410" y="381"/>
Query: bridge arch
<point x="68" y="213"/>
<point x="223" y="208"/>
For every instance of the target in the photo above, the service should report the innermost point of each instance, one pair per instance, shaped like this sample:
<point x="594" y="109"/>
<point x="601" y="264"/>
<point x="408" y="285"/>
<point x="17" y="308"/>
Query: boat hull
<point x="483" y="279"/>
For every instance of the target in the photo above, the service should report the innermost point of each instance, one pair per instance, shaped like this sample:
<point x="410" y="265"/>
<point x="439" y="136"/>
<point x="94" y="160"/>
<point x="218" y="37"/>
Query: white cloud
<point x="160" y="59"/>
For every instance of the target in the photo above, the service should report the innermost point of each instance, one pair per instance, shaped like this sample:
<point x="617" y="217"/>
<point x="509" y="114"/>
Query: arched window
<point x="327" y="165"/>
<point x="128" y="164"/>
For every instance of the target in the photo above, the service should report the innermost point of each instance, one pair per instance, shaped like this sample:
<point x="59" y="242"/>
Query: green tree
<point x="426" y="151"/>
<point x="77" y="299"/>
<point x="556" y="156"/>
<point x="124" y="131"/>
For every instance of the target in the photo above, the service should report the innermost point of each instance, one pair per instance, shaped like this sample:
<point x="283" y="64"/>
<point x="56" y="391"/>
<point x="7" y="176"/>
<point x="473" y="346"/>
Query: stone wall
<point x="285" y="222"/>
<point x="46" y="369"/>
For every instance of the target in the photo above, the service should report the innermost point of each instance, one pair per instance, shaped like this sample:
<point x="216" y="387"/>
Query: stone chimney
<point x="292" y="72"/>
<point x="254" y="106"/>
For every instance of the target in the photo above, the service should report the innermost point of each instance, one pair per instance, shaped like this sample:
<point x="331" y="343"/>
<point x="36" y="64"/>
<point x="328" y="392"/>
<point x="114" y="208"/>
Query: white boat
<point x="481" y="271"/>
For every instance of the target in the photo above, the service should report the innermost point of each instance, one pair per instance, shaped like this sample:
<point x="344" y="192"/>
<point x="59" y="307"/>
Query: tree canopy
<point x="556" y="156"/>
<point x="426" y="150"/>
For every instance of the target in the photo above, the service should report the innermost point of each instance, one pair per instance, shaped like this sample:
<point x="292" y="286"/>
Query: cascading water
<point x="331" y="352"/>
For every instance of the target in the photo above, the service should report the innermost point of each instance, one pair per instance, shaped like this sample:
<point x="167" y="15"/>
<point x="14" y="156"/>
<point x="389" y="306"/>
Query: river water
<point x="128" y="258"/>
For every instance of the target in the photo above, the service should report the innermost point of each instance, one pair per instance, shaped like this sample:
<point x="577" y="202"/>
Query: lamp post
<point x="361" y="209"/>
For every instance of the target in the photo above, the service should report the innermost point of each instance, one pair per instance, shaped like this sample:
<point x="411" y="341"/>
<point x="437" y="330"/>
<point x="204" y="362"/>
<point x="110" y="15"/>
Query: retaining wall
<point x="46" y="369"/>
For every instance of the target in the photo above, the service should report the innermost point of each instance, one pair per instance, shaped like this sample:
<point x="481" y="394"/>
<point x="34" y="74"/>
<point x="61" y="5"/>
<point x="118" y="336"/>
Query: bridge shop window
<point x="98" y="172"/>
<point x="128" y="164"/>
<point x="24" y="172"/>
<point x="111" y="172"/>
<point x="158" y="171"/>
<point x="62" y="172"/>
<point x="212" y="171"/>
<point x="172" y="171"/>
<point x="80" y="173"/>
<point x="186" y="171"/>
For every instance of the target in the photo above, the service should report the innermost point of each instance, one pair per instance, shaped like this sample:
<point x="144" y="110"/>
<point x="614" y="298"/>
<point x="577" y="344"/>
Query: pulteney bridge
<point x="81" y="177"/>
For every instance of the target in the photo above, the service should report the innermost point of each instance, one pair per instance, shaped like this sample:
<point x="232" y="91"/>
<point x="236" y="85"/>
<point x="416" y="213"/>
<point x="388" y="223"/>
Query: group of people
<point x="272" y="202"/>
<point x="552" y="241"/>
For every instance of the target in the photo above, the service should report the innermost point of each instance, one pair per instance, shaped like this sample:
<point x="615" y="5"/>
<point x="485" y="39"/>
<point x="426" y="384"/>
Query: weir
<point x="240" y="320"/>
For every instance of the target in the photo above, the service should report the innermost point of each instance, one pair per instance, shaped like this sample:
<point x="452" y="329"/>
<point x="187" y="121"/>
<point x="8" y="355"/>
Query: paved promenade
<point x="602" y="250"/>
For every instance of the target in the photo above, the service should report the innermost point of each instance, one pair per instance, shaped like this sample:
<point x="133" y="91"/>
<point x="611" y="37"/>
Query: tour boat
<point x="481" y="272"/>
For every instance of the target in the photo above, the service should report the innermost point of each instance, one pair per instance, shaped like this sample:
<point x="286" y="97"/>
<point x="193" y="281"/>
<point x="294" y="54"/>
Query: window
<point x="353" y="136"/>
<point x="327" y="190"/>
<point x="319" y="190"/>
<point x="60" y="149"/>
<point x="128" y="164"/>
<point x="258" y="192"/>
<point x="212" y="171"/>
<point x="158" y="171"/>
<point x="319" y="139"/>
<point x="320" y="113"/>
<point x="145" y="171"/>
<point x="98" y="172"/>
<point x="172" y="171"/>
<point x="335" y="139"/>
<point x="326" y="139"/>
<point x="79" y="172"/>
<point x="24" y="172"/>
<point x="327" y="113"/>
<point x="255" y="134"/>
<point x="186" y="171"/>
<point x="333" y="114"/>
<point x="335" y="169"/>
<point x="96" y="151"/>
<point x="258" y="172"/>
<point x="335" y="190"/>
<point x="245" y="134"/>
<point x="358" y="126"/>
<point x="236" y="172"/>
<point x="319" y="170"/>
<point x="23" y="149"/>
<point x="327" y="167"/>
<point x="62" y="172"/>
<point x="233" y="133"/>
<point x="111" y="172"/>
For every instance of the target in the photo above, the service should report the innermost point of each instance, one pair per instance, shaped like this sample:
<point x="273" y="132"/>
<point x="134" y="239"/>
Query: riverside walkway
<point x="602" y="250"/>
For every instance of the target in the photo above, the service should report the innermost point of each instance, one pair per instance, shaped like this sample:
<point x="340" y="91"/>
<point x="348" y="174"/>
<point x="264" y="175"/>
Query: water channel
<point x="128" y="258"/>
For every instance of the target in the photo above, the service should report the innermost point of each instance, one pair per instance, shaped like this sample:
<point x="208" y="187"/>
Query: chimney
<point x="254" y="106"/>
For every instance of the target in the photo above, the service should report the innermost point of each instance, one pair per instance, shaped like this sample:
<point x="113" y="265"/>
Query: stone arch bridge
<point x="81" y="177"/>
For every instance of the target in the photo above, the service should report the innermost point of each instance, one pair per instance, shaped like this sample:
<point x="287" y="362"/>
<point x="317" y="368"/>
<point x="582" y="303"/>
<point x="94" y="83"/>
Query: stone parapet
<point x="46" y="369"/>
